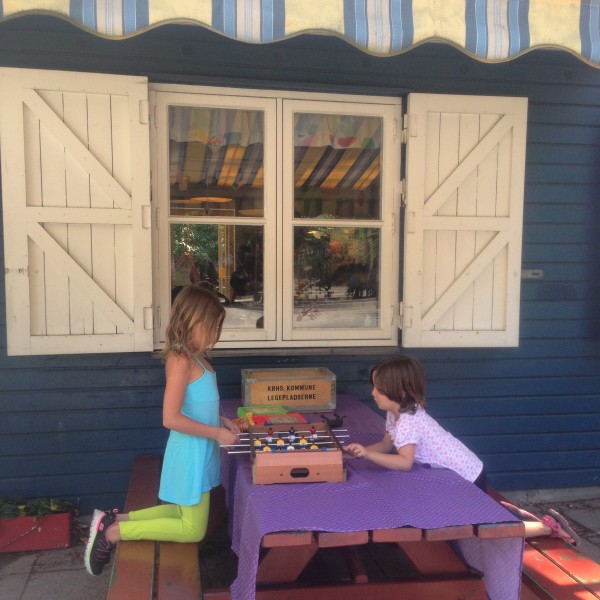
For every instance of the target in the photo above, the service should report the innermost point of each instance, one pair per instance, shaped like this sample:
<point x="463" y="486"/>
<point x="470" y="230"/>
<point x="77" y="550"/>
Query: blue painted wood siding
<point x="71" y="425"/>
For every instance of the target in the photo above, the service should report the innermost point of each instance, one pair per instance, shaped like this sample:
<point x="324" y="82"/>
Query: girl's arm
<point x="381" y="454"/>
<point x="178" y="374"/>
<point x="359" y="451"/>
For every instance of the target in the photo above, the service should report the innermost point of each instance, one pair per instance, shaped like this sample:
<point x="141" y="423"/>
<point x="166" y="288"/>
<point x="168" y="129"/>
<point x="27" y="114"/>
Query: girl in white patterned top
<point x="411" y="435"/>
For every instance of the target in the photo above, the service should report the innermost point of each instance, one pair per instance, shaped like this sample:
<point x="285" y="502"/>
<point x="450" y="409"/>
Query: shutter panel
<point x="463" y="220"/>
<point x="76" y="206"/>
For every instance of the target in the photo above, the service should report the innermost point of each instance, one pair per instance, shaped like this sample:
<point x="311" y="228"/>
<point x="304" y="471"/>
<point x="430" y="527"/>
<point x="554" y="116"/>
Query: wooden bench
<point x="555" y="570"/>
<point x="145" y="570"/>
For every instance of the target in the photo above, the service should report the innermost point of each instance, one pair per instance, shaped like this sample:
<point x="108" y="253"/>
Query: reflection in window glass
<point x="216" y="162"/>
<point x="336" y="277"/>
<point x="227" y="258"/>
<point x="337" y="166"/>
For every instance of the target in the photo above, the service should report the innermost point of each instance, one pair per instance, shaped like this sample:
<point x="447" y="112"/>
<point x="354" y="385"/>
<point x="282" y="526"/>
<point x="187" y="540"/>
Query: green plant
<point x="36" y="507"/>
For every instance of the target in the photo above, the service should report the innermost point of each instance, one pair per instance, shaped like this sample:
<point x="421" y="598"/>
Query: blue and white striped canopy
<point x="488" y="30"/>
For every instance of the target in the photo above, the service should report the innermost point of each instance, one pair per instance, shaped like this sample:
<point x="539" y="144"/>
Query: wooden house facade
<point x="73" y="417"/>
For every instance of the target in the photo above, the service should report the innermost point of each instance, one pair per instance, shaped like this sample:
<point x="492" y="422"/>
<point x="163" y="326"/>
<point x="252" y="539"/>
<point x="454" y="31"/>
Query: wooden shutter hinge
<point x="148" y="318"/>
<point x="144" y="112"/>
<point x="405" y="314"/>
<point x="410" y="127"/>
<point x="403" y="193"/>
<point x="146" y="216"/>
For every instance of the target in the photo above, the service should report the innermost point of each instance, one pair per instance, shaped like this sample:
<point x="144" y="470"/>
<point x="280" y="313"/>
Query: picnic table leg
<point x="284" y="564"/>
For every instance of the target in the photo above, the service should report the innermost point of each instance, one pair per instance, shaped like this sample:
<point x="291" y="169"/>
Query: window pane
<point x="337" y="166"/>
<point x="336" y="277"/>
<point x="229" y="258"/>
<point x="216" y="161"/>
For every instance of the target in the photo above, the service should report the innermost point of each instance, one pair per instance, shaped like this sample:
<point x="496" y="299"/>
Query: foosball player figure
<point x="280" y="442"/>
<point x="270" y="435"/>
<point x="313" y="432"/>
<point x="257" y="443"/>
<point x="292" y="434"/>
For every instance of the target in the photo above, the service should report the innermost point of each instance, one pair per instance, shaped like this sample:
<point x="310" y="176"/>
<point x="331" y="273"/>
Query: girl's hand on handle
<point x="226" y="437"/>
<point x="356" y="450"/>
<point x="230" y="425"/>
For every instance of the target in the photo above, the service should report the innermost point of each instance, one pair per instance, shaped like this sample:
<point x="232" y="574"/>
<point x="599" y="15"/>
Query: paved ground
<point x="60" y="575"/>
<point x="50" y="575"/>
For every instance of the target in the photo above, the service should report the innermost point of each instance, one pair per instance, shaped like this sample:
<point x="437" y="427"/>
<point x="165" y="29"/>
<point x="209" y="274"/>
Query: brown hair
<point x="402" y="379"/>
<point x="193" y="305"/>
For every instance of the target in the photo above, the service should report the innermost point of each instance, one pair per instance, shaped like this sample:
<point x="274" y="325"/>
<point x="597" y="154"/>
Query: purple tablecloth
<point x="370" y="498"/>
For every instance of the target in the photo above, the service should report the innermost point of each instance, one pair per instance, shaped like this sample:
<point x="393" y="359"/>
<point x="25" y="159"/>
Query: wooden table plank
<point x="545" y="575"/>
<point x="509" y="529"/>
<point x="458" y="532"/>
<point x="287" y="538"/>
<point x="398" y="534"/>
<point x="143" y="482"/>
<point x="449" y="589"/>
<point x="529" y="593"/>
<point x="133" y="570"/>
<point x="571" y="560"/>
<point x="178" y="572"/>
<point x="335" y="539"/>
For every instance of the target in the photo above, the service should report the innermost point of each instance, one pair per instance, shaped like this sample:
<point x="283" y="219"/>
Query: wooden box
<point x="296" y="389"/>
<point x="281" y="464"/>
<point x="23" y="534"/>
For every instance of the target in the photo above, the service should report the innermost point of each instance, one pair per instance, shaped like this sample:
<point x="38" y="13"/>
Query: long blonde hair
<point x="194" y="305"/>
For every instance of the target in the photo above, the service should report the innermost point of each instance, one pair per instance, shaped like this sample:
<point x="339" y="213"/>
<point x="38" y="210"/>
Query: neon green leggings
<point x="168" y="522"/>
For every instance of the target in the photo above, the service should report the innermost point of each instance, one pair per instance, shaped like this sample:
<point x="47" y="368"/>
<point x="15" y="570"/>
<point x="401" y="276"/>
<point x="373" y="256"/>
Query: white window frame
<point x="162" y="243"/>
<point x="278" y="106"/>
<point x="389" y="181"/>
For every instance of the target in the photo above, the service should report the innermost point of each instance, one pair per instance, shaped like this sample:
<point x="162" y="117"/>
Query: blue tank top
<point x="191" y="465"/>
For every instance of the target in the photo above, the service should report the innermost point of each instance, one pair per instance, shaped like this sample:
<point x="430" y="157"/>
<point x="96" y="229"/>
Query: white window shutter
<point x="76" y="207"/>
<point x="463" y="220"/>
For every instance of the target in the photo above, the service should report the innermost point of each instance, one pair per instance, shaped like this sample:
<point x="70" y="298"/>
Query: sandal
<point x="519" y="512"/>
<point x="560" y="527"/>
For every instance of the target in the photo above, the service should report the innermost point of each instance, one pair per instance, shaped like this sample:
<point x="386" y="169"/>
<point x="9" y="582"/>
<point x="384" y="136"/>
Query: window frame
<point x="161" y="187"/>
<point x="278" y="218"/>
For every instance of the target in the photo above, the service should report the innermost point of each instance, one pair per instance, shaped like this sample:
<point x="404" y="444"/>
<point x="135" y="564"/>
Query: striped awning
<point x="488" y="30"/>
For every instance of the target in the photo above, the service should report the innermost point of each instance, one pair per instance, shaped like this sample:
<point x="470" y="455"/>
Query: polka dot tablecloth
<point x="370" y="498"/>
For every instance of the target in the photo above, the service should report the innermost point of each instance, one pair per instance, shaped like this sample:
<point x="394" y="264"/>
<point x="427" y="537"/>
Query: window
<point x="286" y="205"/>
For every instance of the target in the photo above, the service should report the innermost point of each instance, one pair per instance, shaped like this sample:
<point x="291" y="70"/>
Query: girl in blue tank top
<point x="191" y="413"/>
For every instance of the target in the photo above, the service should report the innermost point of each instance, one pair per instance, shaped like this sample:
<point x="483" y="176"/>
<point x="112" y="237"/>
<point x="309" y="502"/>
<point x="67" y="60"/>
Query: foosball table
<point x="284" y="454"/>
<point x="293" y="453"/>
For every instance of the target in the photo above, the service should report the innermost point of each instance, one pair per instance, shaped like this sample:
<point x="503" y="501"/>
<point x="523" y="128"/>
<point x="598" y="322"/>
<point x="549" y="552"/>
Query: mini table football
<point x="305" y="452"/>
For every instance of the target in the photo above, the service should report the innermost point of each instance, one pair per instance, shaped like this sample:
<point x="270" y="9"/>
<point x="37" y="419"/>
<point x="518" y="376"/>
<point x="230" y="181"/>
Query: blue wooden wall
<point x="70" y="425"/>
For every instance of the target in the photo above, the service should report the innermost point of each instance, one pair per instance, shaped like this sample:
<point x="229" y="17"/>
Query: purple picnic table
<point x="370" y="498"/>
